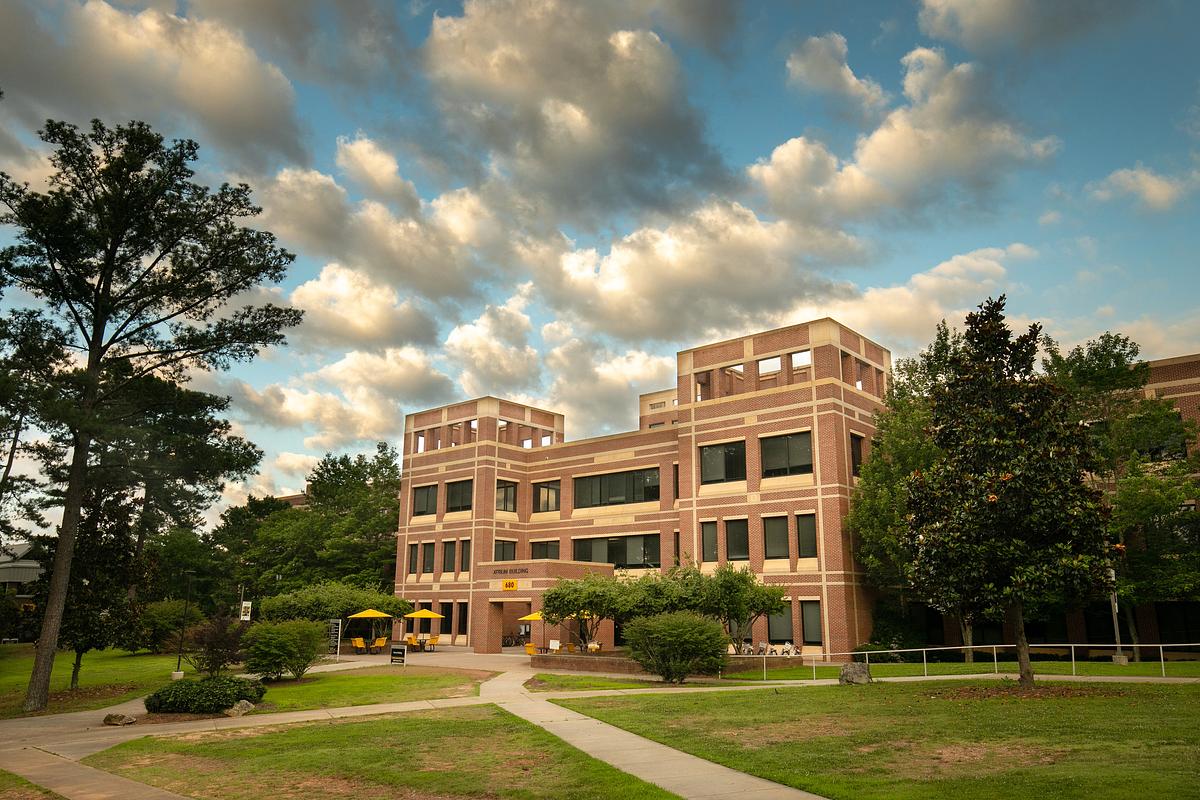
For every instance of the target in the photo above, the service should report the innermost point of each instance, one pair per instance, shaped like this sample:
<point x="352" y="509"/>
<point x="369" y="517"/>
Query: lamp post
<point x="187" y="600"/>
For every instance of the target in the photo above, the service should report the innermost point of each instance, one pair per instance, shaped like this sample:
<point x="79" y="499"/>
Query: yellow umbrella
<point x="371" y="614"/>
<point x="535" y="617"/>
<point x="424" y="613"/>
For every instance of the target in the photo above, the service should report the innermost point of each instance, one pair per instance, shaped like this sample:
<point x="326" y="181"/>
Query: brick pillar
<point x="487" y="624"/>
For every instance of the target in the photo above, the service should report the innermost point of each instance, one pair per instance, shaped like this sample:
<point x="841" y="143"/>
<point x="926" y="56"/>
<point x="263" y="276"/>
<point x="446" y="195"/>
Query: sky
<point x="544" y="200"/>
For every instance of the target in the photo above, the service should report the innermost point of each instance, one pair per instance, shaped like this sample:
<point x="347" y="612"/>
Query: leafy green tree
<point x="590" y="601"/>
<point x="678" y="644"/>
<point x="331" y="600"/>
<point x="1005" y="519"/>
<point x="138" y="262"/>
<point x="736" y="598"/>
<point x="215" y="644"/>
<point x="273" y="648"/>
<point x="234" y="540"/>
<point x="157" y="627"/>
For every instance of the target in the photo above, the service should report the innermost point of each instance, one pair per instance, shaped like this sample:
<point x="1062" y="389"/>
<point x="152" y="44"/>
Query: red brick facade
<point x="1178" y="379"/>
<point x="818" y="377"/>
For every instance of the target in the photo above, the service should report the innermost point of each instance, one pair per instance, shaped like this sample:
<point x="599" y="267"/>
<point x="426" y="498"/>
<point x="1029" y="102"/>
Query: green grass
<point x="14" y="787"/>
<point x="369" y="685"/>
<point x="107" y="677"/>
<point x="479" y="751"/>
<point x="1175" y="669"/>
<point x="957" y="740"/>
<point x="552" y="682"/>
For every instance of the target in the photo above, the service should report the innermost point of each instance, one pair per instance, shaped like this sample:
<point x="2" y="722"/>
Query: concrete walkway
<point x="46" y="750"/>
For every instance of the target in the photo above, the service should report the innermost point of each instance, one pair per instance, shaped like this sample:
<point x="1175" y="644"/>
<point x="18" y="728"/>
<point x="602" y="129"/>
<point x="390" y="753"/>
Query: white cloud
<point x="950" y="144"/>
<point x="903" y="317"/>
<point x="345" y="306"/>
<point x="295" y="464"/>
<point x="988" y="25"/>
<point x="398" y="373"/>
<point x="175" y="72"/>
<point x="714" y="268"/>
<point x="493" y="352"/>
<point x="1154" y="192"/>
<point x="820" y="64"/>
<point x="376" y="171"/>
<point x="1050" y="217"/>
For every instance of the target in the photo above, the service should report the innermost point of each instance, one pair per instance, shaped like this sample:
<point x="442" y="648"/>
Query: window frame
<point x="548" y="545"/>
<point x="449" y="555"/>
<point x="617" y="488"/>
<point x="428" y="558"/>
<point x="503" y="544"/>
<point x="743" y="535"/>
<point x="773" y="620"/>
<point x="773" y="522"/>
<point x="625" y="540"/>
<point x="708" y="538"/>
<point x="456" y="487"/>
<point x="464" y="555"/>
<point x="506" y="495"/>
<point x="857" y="440"/>
<point x="542" y="491"/>
<point x="790" y="468"/>
<point x="805" y="607"/>
<point x="802" y="534"/>
<point x="732" y="458"/>
<point x="424" y="492"/>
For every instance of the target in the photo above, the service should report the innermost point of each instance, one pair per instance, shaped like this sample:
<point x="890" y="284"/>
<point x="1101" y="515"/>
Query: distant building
<point x="17" y="572"/>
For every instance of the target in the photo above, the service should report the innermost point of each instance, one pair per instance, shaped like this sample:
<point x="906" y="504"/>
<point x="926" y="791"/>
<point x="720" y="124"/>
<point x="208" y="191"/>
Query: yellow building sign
<point x="509" y="585"/>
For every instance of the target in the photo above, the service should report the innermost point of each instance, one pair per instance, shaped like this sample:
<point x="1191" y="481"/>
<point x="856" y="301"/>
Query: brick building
<point x="749" y="459"/>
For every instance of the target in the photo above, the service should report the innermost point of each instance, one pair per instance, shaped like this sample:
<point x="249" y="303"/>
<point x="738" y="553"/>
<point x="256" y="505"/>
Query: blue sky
<point x="545" y="200"/>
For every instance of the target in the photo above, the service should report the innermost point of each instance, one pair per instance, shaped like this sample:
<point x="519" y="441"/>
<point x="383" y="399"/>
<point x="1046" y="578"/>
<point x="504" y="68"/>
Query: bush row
<point x="205" y="696"/>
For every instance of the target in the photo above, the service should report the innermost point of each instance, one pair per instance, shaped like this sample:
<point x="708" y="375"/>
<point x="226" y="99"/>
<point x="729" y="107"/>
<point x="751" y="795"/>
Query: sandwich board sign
<point x="399" y="653"/>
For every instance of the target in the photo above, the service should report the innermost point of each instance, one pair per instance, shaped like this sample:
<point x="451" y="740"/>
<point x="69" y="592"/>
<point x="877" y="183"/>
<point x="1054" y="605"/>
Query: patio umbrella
<point x="423" y="613"/>
<point x="536" y="617"/>
<point x="371" y="614"/>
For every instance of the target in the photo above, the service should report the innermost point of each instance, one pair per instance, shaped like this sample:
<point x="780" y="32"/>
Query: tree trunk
<point x="38" y="693"/>
<point x="1016" y="616"/>
<point x="18" y="428"/>
<point x="967" y="630"/>
<point x="75" y="670"/>
<point x="1131" y="620"/>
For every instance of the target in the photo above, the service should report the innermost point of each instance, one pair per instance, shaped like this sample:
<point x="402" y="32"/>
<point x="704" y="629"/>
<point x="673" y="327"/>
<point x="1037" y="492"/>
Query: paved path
<point x="46" y="750"/>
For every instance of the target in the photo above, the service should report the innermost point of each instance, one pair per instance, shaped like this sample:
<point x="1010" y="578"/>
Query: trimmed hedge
<point x="676" y="645"/>
<point x="206" y="696"/>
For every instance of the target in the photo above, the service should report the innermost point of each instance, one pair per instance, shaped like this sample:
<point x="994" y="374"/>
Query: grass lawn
<point x="477" y="751"/>
<point x="1175" y="669"/>
<point x="14" y="787"/>
<point x="551" y="682"/>
<point x="107" y="677"/>
<point x="976" y="740"/>
<point x="360" y="687"/>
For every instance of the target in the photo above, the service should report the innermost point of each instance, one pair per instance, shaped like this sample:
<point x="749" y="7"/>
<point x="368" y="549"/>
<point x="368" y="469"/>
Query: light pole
<point x="187" y="600"/>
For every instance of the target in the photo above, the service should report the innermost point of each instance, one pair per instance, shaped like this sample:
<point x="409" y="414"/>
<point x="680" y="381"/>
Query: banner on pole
<point x="246" y="610"/>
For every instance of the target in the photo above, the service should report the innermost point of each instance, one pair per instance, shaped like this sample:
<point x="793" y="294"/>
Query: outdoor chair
<point x="571" y="647"/>
<point x="593" y="647"/>
<point x="762" y="649"/>
<point x="379" y="644"/>
<point x="530" y="649"/>
<point x="411" y="641"/>
<point x="359" y="645"/>
<point x="431" y="642"/>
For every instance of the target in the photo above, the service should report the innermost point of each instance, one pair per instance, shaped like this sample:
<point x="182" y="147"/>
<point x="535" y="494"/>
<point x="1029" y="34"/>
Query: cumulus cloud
<point x="563" y="96"/>
<point x="175" y="72"/>
<point x="357" y="43"/>
<point x="344" y="306"/>
<point x="1154" y="192"/>
<point x="903" y="317"/>
<point x="691" y="276"/>
<point x="1050" y="217"/>
<point x="596" y="388"/>
<point x="398" y="373"/>
<point x="989" y="25"/>
<point x="819" y="64"/>
<point x="949" y="144"/>
<point x="493" y="351"/>
<point x="295" y="464"/>
<point x="376" y="171"/>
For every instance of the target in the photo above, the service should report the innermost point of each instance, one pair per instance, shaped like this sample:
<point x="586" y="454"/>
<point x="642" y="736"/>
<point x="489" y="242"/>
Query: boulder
<point x="118" y="719"/>
<point x="239" y="709"/>
<point x="854" y="673"/>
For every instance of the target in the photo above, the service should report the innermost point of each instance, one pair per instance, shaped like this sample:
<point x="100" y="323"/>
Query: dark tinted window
<point x="427" y="557"/>
<point x="447" y="620"/>
<point x="636" y="486"/>
<point x="779" y="626"/>
<point x="775" y="537"/>
<point x="543" y="550"/>
<point x="462" y="618"/>
<point x="448" y="549"/>
<point x="708" y="540"/>
<point x="506" y="496"/>
<point x="810" y="618"/>
<point x="458" y="496"/>
<point x="723" y="462"/>
<point x="856" y="454"/>
<point x="737" y="540"/>
<point x="465" y="559"/>
<point x="412" y="559"/>
<point x="806" y="530"/>
<point x="545" y="496"/>
<point x="623" y="552"/>
<point x="787" y="455"/>
<point x="424" y="500"/>
<point x="505" y="551"/>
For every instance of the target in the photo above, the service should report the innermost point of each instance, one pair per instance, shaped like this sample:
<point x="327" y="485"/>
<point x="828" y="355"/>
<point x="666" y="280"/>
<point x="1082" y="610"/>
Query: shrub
<point x="331" y="600"/>
<point x="206" y="696"/>
<point x="158" y="627"/>
<point x="275" y="647"/>
<point x="214" y="645"/>
<point x="676" y="645"/>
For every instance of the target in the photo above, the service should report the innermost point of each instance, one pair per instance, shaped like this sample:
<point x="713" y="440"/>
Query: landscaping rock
<point x="118" y="719"/>
<point x="854" y="673"/>
<point x="239" y="709"/>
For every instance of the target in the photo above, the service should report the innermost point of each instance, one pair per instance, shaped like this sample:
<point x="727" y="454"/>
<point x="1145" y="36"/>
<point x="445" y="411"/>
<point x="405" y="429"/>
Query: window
<point x="448" y="556"/>
<point x="527" y="443"/>
<point x="545" y="496"/>
<point x="806" y="532"/>
<point x="412" y="559"/>
<point x="425" y="622"/>
<point x="810" y="619"/>
<point x="636" y="486"/>
<point x="708" y="540"/>
<point x="506" y="496"/>
<point x="447" y="620"/>
<point x="779" y="626"/>
<point x="654" y="425"/>
<point x="465" y="558"/>
<point x="723" y="462"/>
<point x="675" y="550"/>
<point x="856" y="454"/>
<point x="458" y="496"/>
<point x="427" y="557"/>
<point x="505" y="551"/>
<point x="787" y="455"/>
<point x="547" y="440"/>
<point x="543" y="550"/>
<point x="462" y="618"/>
<point x="801" y="359"/>
<point x="775" y="537"/>
<point x="420" y="448"/>
<point x="623" y="552"/>
<point x="737" y="540"/>
<point x="657" y="406"/>
<point x="675" y="480"/>
<point x="424" y="500"/>
<point x="768" y="365"/>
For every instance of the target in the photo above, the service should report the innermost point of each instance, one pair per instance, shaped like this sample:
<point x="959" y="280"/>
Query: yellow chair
<point x="570" y="647"/>
<point x="358" y="644"/>
<point x="594" y="647"/>
<point x="530" y="649"/>
<point x="379" y="644"/>
<point x="431" y="642"/>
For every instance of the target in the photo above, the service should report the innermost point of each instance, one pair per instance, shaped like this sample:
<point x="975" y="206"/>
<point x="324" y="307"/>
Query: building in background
<point x="749" y="459"/>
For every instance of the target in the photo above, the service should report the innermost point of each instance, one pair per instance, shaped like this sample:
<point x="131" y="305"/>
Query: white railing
<point x="1071" y="649"/>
